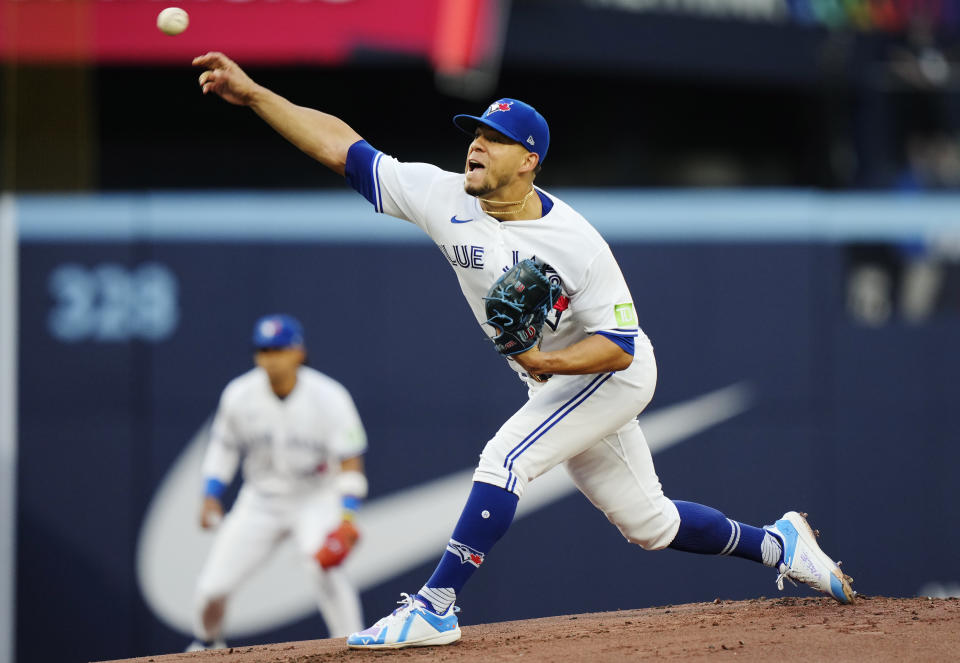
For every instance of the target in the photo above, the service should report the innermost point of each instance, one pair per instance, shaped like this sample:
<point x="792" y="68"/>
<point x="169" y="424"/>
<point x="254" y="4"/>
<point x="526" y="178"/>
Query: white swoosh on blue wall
<point x="413" y="524"/>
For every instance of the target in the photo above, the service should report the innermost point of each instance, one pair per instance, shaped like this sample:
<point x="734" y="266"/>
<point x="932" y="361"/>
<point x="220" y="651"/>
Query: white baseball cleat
<point x="413" y="624"/>
<point x="804" y="561"/>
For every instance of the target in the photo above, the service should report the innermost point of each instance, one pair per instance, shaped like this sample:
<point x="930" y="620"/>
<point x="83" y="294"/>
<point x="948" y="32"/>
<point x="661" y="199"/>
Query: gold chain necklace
<point x="520" y="203"/>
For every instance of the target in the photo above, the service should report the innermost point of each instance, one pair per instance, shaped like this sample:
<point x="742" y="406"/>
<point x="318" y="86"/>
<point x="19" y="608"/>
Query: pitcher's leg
<point x="618" y="477"/>
<point x="558" y="421"/>
<point x="706" y="531"/>
<point x="485" y="519"/>
<point x="789" y="545"/>
<point x="564" y="418"/>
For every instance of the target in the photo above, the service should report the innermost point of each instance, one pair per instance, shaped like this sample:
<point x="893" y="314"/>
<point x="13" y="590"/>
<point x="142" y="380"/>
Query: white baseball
<point x="172" y="21"/>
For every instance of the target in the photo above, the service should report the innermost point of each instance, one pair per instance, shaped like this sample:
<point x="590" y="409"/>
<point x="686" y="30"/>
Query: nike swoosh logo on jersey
<point x="171" y="548"/>
<point x="454" y="219"/>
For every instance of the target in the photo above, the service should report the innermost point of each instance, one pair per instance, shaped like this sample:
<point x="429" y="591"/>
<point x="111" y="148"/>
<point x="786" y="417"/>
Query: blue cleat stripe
<point x="447" y="623"/>
<point x="438" y="623"/>
<point x="836" y="589"/>
<point x="789" y="534"/>
<point x="406" y="626"/>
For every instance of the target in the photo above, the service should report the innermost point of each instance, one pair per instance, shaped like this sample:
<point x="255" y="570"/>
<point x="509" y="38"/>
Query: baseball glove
<point x="338" y="545"/>
<point x="518" y="304"/>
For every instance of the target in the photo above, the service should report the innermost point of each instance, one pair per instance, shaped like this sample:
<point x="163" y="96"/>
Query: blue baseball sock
<point x="485" y="518"/>
<point x="706" y="531"/>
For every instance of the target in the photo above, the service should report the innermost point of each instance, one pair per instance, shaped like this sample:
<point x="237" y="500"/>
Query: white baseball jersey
<point x="480" y="249"/>
<point x="586" y="422"/>
<point x="289" y="446"/>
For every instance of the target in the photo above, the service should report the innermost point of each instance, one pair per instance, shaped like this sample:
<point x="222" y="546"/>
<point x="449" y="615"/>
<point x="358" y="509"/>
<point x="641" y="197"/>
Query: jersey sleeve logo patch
<point x="625" y="315"/>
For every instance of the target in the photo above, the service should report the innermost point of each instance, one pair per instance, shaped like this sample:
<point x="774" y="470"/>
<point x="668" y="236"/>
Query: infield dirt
<point x="876" y="629"/>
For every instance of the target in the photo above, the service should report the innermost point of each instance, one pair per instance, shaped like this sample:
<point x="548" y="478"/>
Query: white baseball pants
<point x="588" y="423"/>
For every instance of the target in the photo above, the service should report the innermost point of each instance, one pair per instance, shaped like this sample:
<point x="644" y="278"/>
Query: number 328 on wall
<point x="113" y="303"/>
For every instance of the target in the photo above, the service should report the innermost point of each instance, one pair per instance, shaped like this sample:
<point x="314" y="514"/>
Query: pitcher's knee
<point x="493" y="470"/>
<point x="650" y="531"/>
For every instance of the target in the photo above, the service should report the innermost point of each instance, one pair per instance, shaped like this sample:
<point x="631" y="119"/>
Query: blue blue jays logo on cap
<point x="498" y="106"/>
<point x="277" y="331"/>
<point x="515" y="120"/>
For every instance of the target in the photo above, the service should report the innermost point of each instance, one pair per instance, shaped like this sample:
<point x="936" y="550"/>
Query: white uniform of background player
<point x="293" y="450"/>
<point x="600" y="365"/>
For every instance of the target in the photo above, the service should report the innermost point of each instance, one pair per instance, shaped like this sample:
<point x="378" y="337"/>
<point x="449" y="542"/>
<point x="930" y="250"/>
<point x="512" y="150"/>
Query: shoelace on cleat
<point x="785" y="574"/>
<point x="407" y="603"/>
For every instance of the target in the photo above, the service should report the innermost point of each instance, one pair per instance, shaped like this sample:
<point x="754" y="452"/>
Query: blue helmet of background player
<point x="277" y="331"/>
<point x="516" y="120"/>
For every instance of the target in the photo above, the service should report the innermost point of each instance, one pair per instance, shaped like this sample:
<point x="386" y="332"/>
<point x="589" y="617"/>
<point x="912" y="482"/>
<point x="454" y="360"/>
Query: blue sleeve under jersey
<point x="360" y="171"/>
<point x="625" y="342"/>
<point x="214" y="488"/>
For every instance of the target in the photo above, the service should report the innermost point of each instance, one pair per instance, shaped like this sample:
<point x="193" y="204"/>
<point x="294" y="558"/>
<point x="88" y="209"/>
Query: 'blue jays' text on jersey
<point x="480" y="248"/>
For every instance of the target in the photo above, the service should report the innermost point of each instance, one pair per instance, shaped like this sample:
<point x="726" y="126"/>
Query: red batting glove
<point x="338" y="545"/>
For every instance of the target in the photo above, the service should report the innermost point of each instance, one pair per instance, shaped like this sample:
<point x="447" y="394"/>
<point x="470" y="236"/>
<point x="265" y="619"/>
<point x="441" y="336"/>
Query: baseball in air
<point x="172" y="21"/>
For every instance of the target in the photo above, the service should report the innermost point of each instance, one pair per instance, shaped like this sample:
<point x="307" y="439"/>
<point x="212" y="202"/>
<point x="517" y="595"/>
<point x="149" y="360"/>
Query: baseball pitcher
<point x="301" y="444"/>
<point x="549" y="293"/>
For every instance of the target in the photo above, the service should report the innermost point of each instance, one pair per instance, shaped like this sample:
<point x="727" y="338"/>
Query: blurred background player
<point x="301" y="442"/>
<point x="601" y="366"/>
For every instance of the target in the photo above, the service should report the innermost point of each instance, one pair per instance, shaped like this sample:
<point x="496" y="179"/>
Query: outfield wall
<point x="806" y="347"/>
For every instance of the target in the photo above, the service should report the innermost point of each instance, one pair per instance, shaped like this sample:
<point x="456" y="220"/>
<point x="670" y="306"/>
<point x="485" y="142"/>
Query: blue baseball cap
<point x="513" y="119"/>
<point x="277" y="331"/>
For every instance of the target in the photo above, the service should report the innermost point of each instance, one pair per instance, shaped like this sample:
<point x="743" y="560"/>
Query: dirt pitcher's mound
<point x="874" y="629"/>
